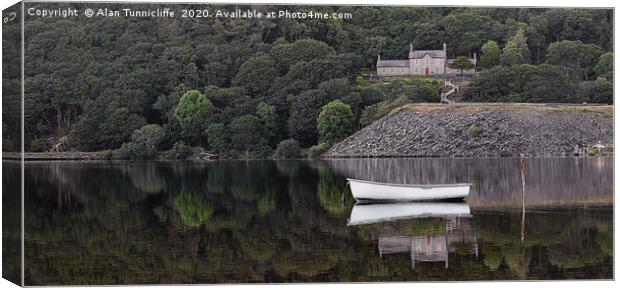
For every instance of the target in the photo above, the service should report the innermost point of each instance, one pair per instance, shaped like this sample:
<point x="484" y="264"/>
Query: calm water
<point x="286" y="221"/>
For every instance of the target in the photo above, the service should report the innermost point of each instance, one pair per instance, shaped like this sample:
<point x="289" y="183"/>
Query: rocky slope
<point x="480" y="130"/>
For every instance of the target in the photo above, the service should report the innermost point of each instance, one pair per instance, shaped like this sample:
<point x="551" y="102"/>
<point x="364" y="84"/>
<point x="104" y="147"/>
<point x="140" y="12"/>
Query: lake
<point x="287" y="221"/>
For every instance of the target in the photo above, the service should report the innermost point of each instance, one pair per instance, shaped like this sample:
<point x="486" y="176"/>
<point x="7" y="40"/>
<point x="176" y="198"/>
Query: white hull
<point x="375" y="191"/>
<point x="375" y="213"/>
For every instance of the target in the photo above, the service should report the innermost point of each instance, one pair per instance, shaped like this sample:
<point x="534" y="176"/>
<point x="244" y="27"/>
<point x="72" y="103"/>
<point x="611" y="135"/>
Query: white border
<point x="507" y="3"/>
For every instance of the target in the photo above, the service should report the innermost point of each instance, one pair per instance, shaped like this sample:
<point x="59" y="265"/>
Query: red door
<point x="425" y="71"/>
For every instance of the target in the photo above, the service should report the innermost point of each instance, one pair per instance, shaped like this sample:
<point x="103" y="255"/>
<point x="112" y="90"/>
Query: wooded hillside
<point x="239" y="87"/>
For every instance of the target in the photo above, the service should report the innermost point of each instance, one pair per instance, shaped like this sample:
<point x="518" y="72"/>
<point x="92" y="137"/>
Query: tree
<point x="192" y="113"/>
<point x="516" y="50"/>
<point x="338" y="88"/>
<point x="144" y="142"/>
<point x="246" y="133"/>
<point x="336" y="121"/>
<point x="256" y="74"/>
<point x="522" y="83"/>
<point x="520" y="42"/>
<point x="218" y="138"/>
<point x="461" y="63"/>
<point x="575" y="57"/>
<point x="104" y="124"/>
<point x="490" y="54"/>
<point x="148" y="135"/>
<point x="267" y="114"/>
<point x="605" y="66"/>
<point x="301" y="50"/>
<point x="288" y="149"/>
<point x="304" y="110"/>
<point x="599" y="91"/>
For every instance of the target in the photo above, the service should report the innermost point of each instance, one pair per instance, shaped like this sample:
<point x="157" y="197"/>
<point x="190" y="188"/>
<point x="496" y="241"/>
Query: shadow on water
<point x="286" y="221"/>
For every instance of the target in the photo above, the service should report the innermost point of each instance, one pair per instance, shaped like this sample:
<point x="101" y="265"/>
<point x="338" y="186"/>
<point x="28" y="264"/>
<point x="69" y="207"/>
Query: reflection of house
<point x="422" y="63"/>
<point x="434" y="246"/>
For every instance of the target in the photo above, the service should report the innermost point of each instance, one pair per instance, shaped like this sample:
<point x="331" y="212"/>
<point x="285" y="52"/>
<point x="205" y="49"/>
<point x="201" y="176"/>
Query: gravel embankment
<point x="446" y="131"/>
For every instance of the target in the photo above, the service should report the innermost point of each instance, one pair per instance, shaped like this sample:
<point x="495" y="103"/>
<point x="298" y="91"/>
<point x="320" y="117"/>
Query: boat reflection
<point x="433" y="232"/>
<point x="385" y="212"/>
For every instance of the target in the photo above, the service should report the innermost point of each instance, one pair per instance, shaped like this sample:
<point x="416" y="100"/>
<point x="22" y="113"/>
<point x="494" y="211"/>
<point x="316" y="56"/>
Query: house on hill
<point x="422" y="63"/>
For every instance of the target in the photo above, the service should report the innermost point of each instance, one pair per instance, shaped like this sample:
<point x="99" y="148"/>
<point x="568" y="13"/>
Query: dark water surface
<point x="286" y="221"/>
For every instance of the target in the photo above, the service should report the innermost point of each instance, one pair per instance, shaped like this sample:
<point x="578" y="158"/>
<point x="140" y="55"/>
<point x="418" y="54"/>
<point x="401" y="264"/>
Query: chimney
<point x="445" y="49"/>
<point x="410" y="47"/>
<point x="378" y="57"/>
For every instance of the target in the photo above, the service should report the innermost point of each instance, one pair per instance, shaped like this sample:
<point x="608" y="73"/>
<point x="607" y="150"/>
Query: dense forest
<point x="256" y="88"/>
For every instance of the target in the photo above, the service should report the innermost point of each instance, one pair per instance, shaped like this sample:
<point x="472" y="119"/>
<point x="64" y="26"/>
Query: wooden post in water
<point x="522" y="169"/>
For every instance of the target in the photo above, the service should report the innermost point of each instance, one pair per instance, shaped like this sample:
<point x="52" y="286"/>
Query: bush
<point x="336" y="121"/>
<point x="317" y="151"/>
<point x="148" y="135"/>
<point x="38" y="145"/>
<point x="218" y="138"/>
<point x="180" y="150"/>
<point x="374" y="112"/>
<point x="473" y="131"/>
<point x="136" y="151"/>
<point x="288" y="149"/>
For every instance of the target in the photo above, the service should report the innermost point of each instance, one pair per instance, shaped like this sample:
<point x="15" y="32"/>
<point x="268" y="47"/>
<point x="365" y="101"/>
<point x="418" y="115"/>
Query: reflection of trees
<point x="284" y="232"/>
<point x="193" y="209"/>
<point x="11" y="221"/>
<point x="332" y="191"/>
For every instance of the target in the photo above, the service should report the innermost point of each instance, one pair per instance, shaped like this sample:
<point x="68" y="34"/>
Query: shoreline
<point x="81" y="156"/>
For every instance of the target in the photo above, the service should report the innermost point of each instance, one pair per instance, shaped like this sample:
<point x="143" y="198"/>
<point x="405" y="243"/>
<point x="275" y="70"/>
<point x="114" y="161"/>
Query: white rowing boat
<point x="376" y="213"/>
<point x="376" y="191"/>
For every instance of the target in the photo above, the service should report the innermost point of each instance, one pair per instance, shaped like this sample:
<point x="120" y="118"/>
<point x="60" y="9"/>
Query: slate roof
<point x="417" y="54"/>
<point x="393" y="63"/>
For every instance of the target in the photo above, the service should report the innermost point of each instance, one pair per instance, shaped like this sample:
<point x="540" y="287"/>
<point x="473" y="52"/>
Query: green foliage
<point x="218" y="138"/>
<point x="336" y="121"/>
<point x="193" y="113"/>
<point x="136" y="151"/>
<point x="473" y="131"/>
<point x="305" y="108"/>
<point x="269" y="118"/>
<point x="180" y="150"/>
<point x="149" y="135"/>
<point x="575" y="57"/>
<point x="461" y="63"/>
<point x="98" y="81"/>
<point x="256" y="74"/>
<point x="319" y="70"/>
<point x="38" y="145"/>
<point x="516" y="51"/>
<point x="374" y="112"/>
<point x="246" y="134"/>
<point x="337" y="88"/>
<point x="288" y="149"/>
<point x="490" y="54"/>
<point x="301" y="50"/>
<point x="605" y="66"/>
<point x="144" y="142"/>
<point x="523" y="83"/>
<point x="104" y="126"/>
<point x="317" y="151"/>
<point x="599" y="91"/>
